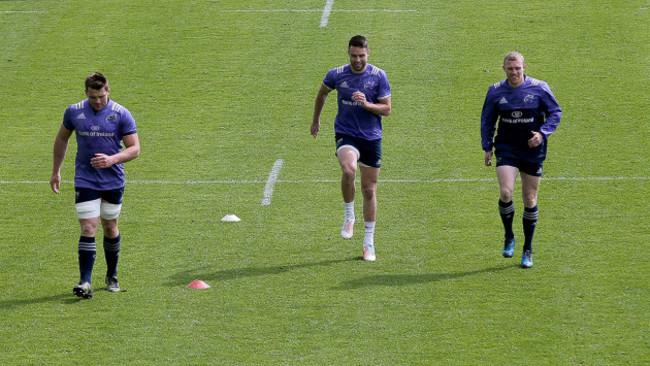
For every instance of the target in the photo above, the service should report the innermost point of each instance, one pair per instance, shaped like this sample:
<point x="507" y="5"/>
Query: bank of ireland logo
<point x="529" y="98"/>
<point x="516" y="114"/>
<point x="95" y="128"/>
<point x="112" y="118"/>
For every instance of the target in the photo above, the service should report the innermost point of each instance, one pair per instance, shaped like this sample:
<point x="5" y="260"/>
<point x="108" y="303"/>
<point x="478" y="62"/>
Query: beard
<point x="358" y="66"/>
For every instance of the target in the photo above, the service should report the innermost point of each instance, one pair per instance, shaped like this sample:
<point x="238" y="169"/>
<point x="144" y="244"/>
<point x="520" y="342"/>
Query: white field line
<point x="326" y="13"/>
<point x="276" y="181"/>
<point x="22" y="12"/>
<point x="270" y="183"/>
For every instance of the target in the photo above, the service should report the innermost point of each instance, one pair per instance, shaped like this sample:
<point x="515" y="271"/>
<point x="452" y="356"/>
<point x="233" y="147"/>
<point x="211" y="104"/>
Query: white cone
<point x="231" y="218"/>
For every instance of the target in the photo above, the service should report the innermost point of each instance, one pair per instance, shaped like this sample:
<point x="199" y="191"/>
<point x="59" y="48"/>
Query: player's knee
<point x="530" y="201"/>
<point x="110" y="211"/>
<point x="368" y="193"/>
<point x="349" y="171"/>
<point x="506" y="194"/>
<point x="110" y="229"/>
<point x="88" y="227"/>
<point x="369" y="190"/>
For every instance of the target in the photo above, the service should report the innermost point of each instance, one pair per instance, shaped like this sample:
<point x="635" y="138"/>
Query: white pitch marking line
<point x="22" y="12"/>
<point x="326" y="13"/>
<point x="270" y="183"/>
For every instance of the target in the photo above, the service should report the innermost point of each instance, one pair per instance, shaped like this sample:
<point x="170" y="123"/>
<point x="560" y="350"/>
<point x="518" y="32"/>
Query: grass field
<point x="221" y="90"/>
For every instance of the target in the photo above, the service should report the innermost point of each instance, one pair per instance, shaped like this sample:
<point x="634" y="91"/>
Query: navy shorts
<point x="368" y="151"/>
<point x="530" y="168"/>
<point x="113" y="196"/>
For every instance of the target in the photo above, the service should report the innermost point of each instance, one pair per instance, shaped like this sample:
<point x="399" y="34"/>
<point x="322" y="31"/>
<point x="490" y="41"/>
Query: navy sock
<point x="530" y="222"/>
<point x="87" y="254"/>
<point x="112" y="254"/>
<point x="507" y="211"/>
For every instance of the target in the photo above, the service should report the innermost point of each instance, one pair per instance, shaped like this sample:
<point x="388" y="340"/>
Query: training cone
<point x="198" y="284"/>
<point x="230" y="218"/>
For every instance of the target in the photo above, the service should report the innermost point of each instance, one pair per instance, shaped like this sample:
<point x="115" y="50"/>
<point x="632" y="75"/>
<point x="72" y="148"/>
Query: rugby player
<point x="527" y="114"/>
<point x="364" y="96"/>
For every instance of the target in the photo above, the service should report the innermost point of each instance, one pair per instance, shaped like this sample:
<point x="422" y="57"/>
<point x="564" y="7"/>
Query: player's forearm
<point x="60" y="149"/>
<point x="488" y="128"/>
<point x="381" y="108"/>
<point x="127" y="154"/>
<point x="378" y="108"/>
<point x="551" y="123"/>
<point x="318" y="107"/>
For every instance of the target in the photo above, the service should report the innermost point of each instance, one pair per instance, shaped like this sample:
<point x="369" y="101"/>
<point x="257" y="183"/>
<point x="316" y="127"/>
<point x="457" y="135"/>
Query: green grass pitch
<point x="223" y="89"/>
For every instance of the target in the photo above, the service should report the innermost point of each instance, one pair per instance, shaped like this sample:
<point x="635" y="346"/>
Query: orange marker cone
<point x="198" y="284"/>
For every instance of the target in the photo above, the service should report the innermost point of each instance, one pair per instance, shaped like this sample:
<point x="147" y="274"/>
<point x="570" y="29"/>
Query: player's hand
<point x="55" y="183"/>
<point x="315" y="127"/>
<point x="488" y="158"/>
<point x="359" y="97"/>
<point x="101" y="161"/>
<point x="536" y="140"/>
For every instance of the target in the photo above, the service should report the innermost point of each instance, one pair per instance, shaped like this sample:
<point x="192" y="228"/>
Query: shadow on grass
<point x="208" y="275"/>
<point x="409" y="279"/>
<point x="67" y="298"/>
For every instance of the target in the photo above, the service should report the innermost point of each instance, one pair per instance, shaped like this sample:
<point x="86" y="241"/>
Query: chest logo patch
<point x="112" y="118"/>
<point x="517" y="114"/>
<point x="529" y="98"/>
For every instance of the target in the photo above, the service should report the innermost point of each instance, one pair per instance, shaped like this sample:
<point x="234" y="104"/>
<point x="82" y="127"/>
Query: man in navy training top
<point x="101" y="125"/>
<point x="528" y="114"/>
<point x="363" y="98"/>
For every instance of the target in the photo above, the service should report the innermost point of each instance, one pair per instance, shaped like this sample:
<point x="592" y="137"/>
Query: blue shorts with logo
<point x="368" y="151"/>
<point x="528" y="167"/>
<point x="113" y="196"/>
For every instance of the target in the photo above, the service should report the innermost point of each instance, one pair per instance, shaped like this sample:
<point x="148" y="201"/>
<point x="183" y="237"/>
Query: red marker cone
<point x="198" y="284"/>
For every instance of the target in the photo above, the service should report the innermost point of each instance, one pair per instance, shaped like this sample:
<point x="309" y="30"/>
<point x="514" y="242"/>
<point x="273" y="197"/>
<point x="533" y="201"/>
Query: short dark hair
<point x="96" y="81"/>
<point x="514" y="56"/>
<point x="358" y="41"/>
